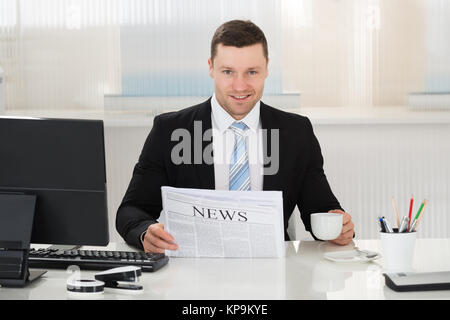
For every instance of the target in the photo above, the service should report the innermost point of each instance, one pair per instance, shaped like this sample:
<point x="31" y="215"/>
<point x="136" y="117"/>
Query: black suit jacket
<point x="300" y="176"/>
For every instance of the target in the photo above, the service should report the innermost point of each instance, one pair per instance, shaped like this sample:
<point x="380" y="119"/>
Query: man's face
<point x="239" y="75"/>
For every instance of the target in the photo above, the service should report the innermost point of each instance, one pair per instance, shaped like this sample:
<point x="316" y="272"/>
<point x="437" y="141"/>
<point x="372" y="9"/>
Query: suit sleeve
<point x="142" y="203"/>
<point x="315" y="192"/>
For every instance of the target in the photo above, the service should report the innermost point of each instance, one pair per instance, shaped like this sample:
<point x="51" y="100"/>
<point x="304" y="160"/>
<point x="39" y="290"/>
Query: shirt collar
<point x="223" y="120"/>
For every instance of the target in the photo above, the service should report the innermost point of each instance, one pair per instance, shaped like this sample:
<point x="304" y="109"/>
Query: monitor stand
<point x="35" y="274"/>
<point x="26" y="276"/>
<point x="16" y="221"/>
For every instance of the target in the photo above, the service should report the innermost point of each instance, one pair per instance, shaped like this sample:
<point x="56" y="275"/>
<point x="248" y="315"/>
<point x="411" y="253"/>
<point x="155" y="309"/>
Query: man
<point x="239" y="66"/>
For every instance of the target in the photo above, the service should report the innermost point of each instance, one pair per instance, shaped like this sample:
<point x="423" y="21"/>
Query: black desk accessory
<point x="125" y="278"/>
<point x="16" y="223"/>
<point x="115" y="278"/>
<point x="95" y="259"/>
<point x="85" y="286"/>
<point x="419" y="281"/>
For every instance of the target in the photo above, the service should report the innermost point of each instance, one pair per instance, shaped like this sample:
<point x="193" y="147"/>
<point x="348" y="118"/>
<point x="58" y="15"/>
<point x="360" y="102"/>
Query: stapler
<point x="121" y="278"/>
<point x="126" y="278"/>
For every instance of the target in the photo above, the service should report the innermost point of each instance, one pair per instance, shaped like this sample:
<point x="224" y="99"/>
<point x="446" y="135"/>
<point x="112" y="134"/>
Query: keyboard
<point x="95" y="259"/>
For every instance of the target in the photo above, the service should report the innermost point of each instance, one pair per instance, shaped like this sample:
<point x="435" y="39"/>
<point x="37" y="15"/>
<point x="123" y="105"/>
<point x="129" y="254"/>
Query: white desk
<point x="302" y="274"/>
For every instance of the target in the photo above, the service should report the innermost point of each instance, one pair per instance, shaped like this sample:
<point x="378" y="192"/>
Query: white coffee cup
<point x="326" y="225"/>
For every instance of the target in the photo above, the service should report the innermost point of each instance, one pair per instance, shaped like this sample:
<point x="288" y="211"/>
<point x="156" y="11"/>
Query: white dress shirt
<point x="223" y="145"/>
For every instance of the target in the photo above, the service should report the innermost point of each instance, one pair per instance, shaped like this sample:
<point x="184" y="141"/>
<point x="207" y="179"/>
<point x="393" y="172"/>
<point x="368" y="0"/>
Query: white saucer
<point x="351" y="256"/>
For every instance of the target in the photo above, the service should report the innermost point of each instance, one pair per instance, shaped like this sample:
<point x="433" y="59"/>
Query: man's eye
<point x="227" y="72"/>
<point x="252" y="73"/>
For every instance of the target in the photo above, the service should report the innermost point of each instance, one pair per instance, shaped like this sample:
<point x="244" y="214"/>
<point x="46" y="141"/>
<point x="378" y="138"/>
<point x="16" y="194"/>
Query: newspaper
<point x="215" y="223"/>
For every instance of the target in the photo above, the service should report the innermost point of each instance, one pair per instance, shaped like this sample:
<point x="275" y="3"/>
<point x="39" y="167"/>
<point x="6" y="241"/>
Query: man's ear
<point x="267" y="68"/>
<point x="211" y="68"/>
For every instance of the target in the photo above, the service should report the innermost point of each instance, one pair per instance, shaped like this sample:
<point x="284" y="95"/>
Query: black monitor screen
<point x="62" y="162"/>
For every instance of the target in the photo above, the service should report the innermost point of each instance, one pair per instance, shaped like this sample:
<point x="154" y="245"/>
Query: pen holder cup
<point x="398" y="250"/>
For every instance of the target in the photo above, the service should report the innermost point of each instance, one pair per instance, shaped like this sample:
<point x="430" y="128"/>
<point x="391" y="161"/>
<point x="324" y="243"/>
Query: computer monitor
<point x="62" y="162"/>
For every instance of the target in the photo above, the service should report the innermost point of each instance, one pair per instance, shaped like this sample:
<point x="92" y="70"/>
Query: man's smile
<point x="240" y="97"/>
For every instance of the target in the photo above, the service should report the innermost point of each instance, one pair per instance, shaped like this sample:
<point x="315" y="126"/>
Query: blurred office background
<point x="372" y="75"/>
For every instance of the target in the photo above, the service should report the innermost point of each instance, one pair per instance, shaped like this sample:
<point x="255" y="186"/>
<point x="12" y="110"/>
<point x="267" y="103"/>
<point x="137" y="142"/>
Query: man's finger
<point x="161" y="233"/>
<point x="336" y="211"/>
<point x="343" y="242"/>
<point x="346" y="218"/>
<point x="346" y="235"/>
<point x="348" y="227"/>
<point x="148" y="247"/>
<point x="161" y="243"/>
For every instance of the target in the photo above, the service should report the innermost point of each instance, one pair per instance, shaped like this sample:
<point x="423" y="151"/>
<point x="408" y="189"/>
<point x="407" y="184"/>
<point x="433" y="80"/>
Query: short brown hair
<point x="238" y="33"/>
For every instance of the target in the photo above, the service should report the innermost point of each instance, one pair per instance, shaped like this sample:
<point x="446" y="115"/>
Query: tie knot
<point x="239" y="127"/>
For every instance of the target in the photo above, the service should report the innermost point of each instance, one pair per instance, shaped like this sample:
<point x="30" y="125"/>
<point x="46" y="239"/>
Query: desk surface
<point x="302" y="274"/>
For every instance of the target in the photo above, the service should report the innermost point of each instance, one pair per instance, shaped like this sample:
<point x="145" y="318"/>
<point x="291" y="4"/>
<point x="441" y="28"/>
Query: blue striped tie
<point x="239" y="175"/>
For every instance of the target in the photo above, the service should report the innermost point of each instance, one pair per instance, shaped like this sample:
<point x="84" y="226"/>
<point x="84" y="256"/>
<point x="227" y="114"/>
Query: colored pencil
<point x="396" y="212"/>
<point x="425" y="202"/>
<point x="420" y="209"/>
<point x="410" y="210"/>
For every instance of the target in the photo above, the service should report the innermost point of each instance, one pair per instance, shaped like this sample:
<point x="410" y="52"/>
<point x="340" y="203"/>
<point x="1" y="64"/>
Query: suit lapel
<point x="269" y="123"/>
<point x="204" y="171"/>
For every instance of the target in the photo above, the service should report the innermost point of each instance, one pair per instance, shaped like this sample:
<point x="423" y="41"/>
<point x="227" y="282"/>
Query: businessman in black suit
<point x="289" y="154"/>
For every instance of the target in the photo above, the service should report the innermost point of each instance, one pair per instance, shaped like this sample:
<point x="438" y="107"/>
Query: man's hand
<point x="156" y="239"/>
<point x="348" y="231"/>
